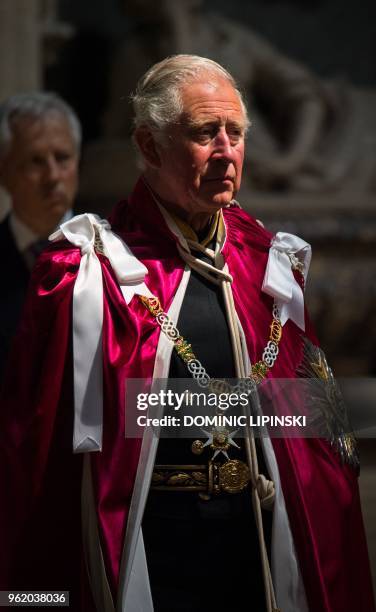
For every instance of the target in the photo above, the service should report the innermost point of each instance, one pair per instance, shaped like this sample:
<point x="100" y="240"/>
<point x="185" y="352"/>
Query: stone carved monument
<point x="304" y="130"/>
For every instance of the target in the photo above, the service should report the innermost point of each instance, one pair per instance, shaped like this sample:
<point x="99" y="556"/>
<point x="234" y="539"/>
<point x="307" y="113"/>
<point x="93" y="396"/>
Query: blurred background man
<point x="40" y="138"/>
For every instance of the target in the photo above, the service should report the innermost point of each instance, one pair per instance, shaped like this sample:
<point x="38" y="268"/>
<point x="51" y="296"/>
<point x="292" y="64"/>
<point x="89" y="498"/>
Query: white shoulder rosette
<point x="82" y="231"/>
<point x="286" y="252"/>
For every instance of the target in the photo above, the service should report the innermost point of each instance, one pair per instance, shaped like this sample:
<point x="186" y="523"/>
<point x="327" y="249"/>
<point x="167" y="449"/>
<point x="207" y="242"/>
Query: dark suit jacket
<point x="15" y="277"/>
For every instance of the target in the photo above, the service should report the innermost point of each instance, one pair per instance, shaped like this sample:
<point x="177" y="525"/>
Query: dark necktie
<point x="33" y="251"/>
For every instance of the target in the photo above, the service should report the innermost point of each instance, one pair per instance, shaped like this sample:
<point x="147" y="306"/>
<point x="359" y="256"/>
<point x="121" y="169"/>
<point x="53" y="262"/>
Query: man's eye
<point x="235" y="136"/>
<point x="205" y="133"/>
<point x="62" y="157"/>
<point x="37" y="161"/>
<point x="235" y="132"/>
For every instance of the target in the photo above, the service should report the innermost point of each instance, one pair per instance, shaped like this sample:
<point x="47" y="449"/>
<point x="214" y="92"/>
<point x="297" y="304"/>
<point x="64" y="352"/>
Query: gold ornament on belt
<point x="234" y="476"/>
<point x="212" y="479"/>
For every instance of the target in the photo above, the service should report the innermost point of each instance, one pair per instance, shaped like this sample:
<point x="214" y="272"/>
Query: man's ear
<point x="148" y="146"/>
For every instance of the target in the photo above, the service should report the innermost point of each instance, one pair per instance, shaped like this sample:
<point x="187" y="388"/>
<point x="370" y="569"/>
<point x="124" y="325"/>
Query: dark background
<point x="334" y="38"/>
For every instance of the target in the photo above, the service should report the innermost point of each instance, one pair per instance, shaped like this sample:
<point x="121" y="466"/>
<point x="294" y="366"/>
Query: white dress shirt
<point x="24" y="237"/>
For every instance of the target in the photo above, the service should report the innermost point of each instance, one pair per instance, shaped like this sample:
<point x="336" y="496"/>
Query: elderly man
<point x="39" y="151"/>
<point x="184" y="284"/>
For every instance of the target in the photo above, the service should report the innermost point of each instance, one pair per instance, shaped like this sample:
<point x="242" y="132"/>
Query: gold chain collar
<point x="259" y="370"/>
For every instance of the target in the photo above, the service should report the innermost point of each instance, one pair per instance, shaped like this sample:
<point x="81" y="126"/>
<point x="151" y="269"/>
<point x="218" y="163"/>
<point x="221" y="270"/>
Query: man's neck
<point x="197" y="221"/>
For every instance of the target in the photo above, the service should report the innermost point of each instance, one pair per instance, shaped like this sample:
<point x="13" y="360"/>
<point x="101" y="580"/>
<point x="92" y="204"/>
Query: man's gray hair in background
<point x="36" y="105"/>
<point x="157" y="102"/>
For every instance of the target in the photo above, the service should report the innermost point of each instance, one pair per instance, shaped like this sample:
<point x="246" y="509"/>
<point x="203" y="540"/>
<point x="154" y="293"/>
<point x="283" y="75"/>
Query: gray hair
<point x="157" y="100"/>
<point x="36" y="105"/>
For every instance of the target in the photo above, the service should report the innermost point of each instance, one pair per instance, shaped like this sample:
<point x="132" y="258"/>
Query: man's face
<point x="201" y="165"/>
<point x="40" y="171"/>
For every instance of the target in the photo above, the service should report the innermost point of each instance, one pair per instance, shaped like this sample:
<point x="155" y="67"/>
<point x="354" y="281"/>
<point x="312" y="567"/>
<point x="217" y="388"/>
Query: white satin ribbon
<point x="279" y="281"/>
<point x="88" y="318"/>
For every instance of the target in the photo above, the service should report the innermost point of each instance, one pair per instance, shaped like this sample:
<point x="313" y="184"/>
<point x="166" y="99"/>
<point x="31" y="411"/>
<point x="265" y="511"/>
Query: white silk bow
<point x="88" y="318"/>
<point x="279" y="282"/>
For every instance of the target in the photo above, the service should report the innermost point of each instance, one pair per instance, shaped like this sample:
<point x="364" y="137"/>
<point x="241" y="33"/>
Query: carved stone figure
<point x="303" y="129"/>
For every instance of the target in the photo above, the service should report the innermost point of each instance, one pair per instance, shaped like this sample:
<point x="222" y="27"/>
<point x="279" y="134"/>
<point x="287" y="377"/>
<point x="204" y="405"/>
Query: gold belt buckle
<point x="233" y="476"/>
<point x="213" y="478"/>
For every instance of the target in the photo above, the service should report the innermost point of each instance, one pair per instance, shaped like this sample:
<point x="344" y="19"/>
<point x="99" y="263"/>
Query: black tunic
<point x="202" y="555"/>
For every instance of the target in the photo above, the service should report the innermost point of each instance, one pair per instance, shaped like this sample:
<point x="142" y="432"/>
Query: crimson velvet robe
<point x="40" y="476"/>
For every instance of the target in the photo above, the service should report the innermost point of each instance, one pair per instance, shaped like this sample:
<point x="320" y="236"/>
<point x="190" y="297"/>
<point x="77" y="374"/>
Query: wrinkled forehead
<point x="211" y="98"/>
<point x="20" y="123"/>
<point x="31" y="135"/>
<point x="27" y="130"/>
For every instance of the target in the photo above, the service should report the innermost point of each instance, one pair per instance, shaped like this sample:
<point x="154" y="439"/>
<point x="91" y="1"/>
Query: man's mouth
<point x="55" y="196"/>
<point x="220" y="179"/>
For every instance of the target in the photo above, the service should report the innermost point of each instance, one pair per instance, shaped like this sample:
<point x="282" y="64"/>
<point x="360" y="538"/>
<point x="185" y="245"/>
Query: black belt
<point x="209" y="479"/>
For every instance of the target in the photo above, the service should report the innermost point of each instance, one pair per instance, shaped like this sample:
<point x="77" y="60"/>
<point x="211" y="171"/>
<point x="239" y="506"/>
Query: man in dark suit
<point x="40" y="138"/>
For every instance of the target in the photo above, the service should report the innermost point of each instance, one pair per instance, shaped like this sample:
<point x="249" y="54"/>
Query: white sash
<point x="82" y="231"/>
<point x="287" y="250"/>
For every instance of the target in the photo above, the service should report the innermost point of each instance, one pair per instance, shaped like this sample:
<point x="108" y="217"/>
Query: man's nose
<point x="52" y="170"/>
<point x="222" y="145"/>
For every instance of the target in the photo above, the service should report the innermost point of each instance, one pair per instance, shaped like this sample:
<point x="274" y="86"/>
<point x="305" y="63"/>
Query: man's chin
<point x="57" y="206"/>
<point x="221" y="194"/>
<point x="221" y="200"/>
